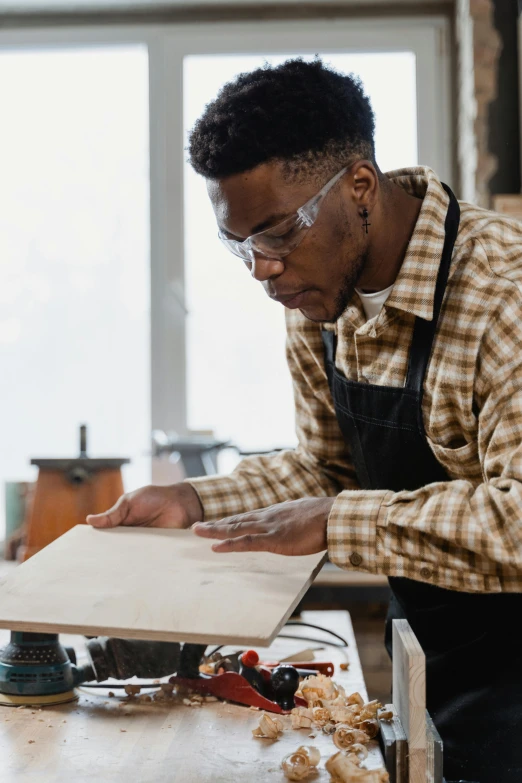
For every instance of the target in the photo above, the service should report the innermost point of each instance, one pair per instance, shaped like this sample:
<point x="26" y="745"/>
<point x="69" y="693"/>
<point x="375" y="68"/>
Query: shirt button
<point x="355" y="559"/>
<point x="426" y="573"/>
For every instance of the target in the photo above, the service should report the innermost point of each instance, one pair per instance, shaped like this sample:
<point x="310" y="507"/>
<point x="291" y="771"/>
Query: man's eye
<point x="282" y="234"/>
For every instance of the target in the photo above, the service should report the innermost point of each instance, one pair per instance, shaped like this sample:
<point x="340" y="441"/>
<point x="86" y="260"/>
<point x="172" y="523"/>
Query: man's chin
<point x="317" y="315"/>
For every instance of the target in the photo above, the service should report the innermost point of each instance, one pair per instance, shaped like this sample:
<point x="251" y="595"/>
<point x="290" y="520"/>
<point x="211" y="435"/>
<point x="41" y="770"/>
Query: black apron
<point x="473" y="659"/>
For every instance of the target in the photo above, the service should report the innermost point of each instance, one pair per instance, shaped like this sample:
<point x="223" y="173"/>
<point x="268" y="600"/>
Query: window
<point x="74" y="244"/>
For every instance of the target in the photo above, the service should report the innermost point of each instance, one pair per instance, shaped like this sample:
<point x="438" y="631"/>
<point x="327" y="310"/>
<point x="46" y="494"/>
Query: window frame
<point x="427" y="36"/>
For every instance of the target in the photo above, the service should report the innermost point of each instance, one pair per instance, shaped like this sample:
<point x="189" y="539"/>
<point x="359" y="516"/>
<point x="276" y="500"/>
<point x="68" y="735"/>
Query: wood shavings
<point x="301" y="717"/>
<point x="301" y="722"/>
<point x="318" y="686"/>
<point x="344" y="714"/>
<point x="371" y="707"/>
<point x="369" y="711"/>
<point x="312" y="752"/>
<point x="268" y="728"/>
<point x="360" y="751"/>
<point x="385" y="715"/>
<point x="342" y="769"/>
<point x="145" y="697"/>
<point x="344" y="666"/>
<point x="355" y="698"/>
<point x="300" y="764"/>
<point x="111" y="694"/>
<point x="132" y="690"/>
<point x="320" y="716"/>
<point x="345" y="737"/>
<point x="214" y="698"/>
<point x="329" y="728"/>
<point x="167" y="688"/>
<point x="370" y="727"/>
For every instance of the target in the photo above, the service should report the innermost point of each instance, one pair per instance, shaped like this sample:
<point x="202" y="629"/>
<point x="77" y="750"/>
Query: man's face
<point x="320" y="275"/>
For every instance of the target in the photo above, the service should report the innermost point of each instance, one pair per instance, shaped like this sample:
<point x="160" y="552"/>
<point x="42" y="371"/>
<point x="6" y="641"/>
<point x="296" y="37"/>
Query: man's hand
<point x="297" y="527"/>
<point x="176" y="506"/>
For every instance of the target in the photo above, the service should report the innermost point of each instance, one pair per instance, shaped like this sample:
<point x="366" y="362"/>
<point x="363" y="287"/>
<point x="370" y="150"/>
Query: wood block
<point x="394" y="747"/>
<point x="434" y="752"/>
<point x="409" y="695"/>
<point x="149" y="583"/>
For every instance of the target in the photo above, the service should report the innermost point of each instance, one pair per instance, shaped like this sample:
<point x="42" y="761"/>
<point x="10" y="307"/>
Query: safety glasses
<point x="280" y="240"/>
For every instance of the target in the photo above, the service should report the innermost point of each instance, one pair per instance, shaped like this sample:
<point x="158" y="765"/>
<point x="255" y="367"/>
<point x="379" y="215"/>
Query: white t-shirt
<point x="372" y="303"/>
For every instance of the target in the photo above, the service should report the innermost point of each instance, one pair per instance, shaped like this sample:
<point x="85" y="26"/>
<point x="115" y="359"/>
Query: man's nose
<point x="263" y="268"/>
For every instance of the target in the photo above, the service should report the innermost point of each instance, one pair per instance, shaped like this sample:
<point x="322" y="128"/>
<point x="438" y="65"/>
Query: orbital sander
<point x="35" y="669"/>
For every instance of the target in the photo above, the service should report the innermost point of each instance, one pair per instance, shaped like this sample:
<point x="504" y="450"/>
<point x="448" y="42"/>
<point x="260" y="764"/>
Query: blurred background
<point x="119" y="308"/>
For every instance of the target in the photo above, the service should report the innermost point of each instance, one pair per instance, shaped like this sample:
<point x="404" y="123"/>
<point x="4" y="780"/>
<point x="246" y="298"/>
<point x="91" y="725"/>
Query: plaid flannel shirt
<point x="462" y="534"/>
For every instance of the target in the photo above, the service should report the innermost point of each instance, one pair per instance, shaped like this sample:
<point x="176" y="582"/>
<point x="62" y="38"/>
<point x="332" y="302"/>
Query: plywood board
<point x="145" y="583"/>
<point x="409" y="695"/>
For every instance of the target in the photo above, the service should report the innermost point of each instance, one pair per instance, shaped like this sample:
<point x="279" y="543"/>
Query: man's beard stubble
<point x="349" y="285"/>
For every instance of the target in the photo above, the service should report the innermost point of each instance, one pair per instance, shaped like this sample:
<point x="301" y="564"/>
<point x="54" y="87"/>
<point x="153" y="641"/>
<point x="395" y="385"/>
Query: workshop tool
<point x="69" y="489"/>
<point x="35" y="669"/>
<point x="273" y="690"/>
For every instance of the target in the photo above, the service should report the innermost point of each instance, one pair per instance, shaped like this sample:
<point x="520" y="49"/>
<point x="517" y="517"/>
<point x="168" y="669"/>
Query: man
<point x="404" y="321"/>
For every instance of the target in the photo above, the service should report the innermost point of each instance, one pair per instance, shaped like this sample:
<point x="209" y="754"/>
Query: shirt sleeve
<point x="320" y="464"/>
<point x="464" y="526"/>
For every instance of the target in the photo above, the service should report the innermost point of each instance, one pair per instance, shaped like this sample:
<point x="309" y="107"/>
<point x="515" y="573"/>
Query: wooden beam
<point x="409" y="696"/>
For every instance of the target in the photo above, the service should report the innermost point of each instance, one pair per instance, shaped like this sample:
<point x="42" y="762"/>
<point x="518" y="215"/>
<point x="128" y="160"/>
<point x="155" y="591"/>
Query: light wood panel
<point x="409" y="696"/>
<point x="146" y="583"/>
<point x="97" y="740"/>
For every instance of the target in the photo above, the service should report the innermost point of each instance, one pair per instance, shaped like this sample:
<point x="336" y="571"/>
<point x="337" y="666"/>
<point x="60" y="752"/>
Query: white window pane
<point x="238" y="382"/>
<point x="74" y="249"/>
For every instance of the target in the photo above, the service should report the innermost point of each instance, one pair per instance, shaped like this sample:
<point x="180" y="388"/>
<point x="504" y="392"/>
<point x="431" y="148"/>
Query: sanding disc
<point x="10" y="700"/>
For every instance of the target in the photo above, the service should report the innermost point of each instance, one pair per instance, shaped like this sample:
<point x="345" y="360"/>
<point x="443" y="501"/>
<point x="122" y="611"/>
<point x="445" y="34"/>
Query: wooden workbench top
<point x="117" y="740"/>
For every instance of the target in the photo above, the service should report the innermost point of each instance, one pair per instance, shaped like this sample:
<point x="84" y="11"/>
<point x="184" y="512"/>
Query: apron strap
<point x="424" y="331"/>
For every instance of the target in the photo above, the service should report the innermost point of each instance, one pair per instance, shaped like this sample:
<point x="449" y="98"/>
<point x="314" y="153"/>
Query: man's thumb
<point x="113" y="517"/>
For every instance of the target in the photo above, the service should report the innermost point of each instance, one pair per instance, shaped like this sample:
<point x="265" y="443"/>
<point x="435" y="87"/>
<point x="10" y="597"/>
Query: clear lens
<point x="284" y="238"/>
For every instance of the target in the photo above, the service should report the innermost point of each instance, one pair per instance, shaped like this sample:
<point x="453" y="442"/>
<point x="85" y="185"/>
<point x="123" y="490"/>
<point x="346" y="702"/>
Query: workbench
<point x="121" y="740"/>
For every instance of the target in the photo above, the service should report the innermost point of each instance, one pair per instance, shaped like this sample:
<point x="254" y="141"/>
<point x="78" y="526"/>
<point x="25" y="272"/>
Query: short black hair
<point x="300" y="113"/>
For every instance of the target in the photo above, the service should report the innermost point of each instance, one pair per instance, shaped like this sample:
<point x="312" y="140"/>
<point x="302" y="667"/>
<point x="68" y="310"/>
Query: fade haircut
<point x="306" y="115"/>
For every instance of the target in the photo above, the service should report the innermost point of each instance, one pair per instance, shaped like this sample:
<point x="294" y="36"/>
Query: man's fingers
<point x="259" y="542"/>
<point x="228" y="528"/>
<point x="113" y="517"/>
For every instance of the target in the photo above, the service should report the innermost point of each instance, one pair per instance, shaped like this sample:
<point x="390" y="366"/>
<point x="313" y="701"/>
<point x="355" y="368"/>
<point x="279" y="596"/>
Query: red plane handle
<point x="233" y="687"/>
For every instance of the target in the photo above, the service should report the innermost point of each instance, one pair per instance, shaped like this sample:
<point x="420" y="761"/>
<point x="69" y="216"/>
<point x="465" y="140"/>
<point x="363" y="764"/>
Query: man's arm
<point x="462" y="534"/>
<point x="318" y="467"/>
<point x="459" y="534"/>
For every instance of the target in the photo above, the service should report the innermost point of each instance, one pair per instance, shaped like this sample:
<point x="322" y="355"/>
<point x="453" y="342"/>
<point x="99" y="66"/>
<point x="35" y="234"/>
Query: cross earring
<point x="365" y="218"/>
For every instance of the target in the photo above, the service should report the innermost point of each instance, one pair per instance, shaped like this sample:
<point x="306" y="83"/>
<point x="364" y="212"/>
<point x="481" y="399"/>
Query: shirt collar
<point x="414" y="288"/>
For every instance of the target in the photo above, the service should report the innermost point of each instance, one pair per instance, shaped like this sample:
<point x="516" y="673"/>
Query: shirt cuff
<point x="219" y="496"/>
<point x="353" y="529"/>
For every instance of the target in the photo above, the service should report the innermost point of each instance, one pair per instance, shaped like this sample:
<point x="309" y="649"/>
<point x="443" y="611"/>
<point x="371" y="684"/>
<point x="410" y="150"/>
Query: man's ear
<point x="363" y="181"/>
